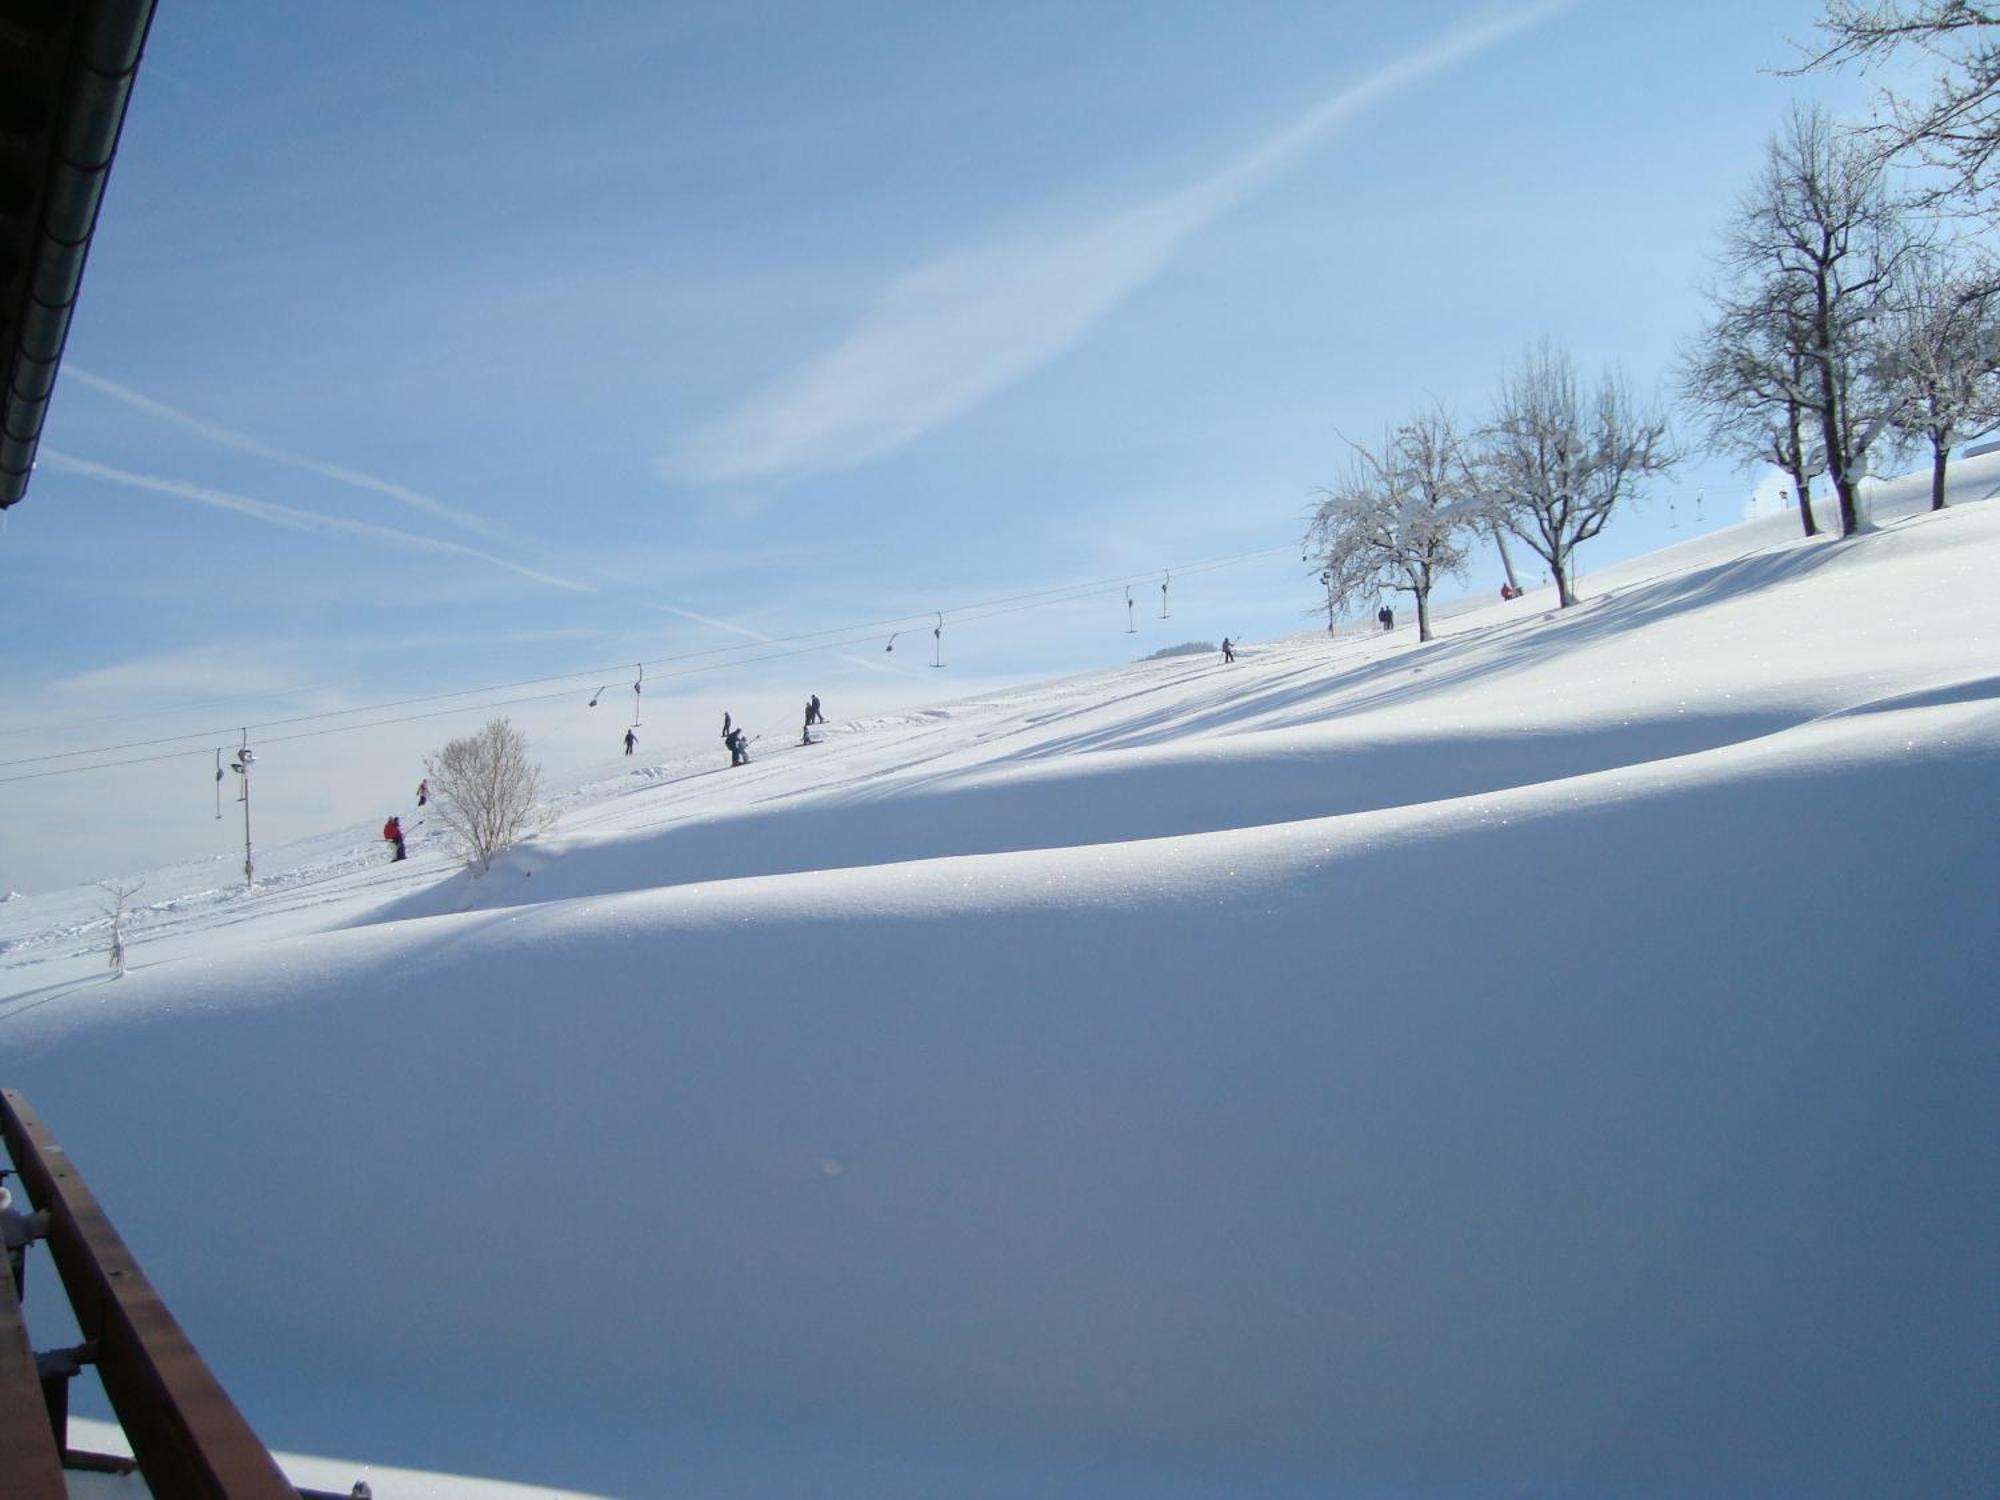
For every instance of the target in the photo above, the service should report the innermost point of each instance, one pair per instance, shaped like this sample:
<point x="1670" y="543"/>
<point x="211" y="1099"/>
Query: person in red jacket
<point x="393" y="832"/>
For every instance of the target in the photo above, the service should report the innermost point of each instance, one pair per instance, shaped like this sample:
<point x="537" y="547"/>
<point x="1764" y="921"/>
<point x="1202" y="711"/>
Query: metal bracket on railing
<point x="56" y="1368"/>
<point x="65" y="1364"/>
<point x="18" y="1229"/>
<point x="17" y="1232"/>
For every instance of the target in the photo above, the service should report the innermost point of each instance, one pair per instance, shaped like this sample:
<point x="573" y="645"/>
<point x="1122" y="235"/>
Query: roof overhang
<point x="66" y="74"/>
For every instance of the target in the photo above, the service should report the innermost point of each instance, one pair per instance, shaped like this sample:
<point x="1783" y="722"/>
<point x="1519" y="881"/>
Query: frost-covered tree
<point x="1555" y="461"/>
<point x="1397" y="520"/>
<point x="118" y="893"/>
<point x="1810" y="262"/>
<point x="1744" y="380"/>
<point x="1937" y="355"/>
<point x="1956" y="127"/>
<point x="483" y="788"/>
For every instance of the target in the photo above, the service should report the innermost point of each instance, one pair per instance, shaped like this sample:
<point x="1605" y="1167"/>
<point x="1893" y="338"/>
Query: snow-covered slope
<point x="1557" y="1059"/>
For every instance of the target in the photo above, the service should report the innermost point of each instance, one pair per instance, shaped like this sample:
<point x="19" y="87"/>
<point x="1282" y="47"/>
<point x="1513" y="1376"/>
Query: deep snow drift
<point x="1558" y="1059"/>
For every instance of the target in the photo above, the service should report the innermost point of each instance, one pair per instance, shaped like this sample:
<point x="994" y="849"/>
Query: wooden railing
<point x="187" y="1437"/>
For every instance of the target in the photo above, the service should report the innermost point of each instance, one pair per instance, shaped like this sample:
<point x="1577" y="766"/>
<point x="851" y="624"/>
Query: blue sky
<point x="430" y="346"/>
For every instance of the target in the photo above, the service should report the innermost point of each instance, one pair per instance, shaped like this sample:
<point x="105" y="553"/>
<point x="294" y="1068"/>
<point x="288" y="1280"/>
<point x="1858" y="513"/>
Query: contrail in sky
<point x="943" y="337"/>
<point x="243" y="442"/>
<point x="294" y="519"/>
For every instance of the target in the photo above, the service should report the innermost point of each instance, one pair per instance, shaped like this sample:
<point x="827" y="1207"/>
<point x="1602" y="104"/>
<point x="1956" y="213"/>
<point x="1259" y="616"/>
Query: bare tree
<point x="1937" y="355"/>
<point x="1744" y="379"/>
<point x="118" y="894"/>
<point x="483" y="788"/>
<point x="1812" y="257"/>
<point x="1957" y="128"/>
<point x="1396" y="521"/>
<point x="1556" y="463"/>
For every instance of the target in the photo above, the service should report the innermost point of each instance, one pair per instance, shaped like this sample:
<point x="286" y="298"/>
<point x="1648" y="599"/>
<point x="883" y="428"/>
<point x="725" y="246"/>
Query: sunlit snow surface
<point x="1558" y="1060"/>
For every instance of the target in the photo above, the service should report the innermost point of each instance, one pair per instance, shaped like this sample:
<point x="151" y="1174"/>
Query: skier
<point x="739" y="747"/>
<point x="1506" y="592"/>
<point x="806" y="734"/>
<point x="631" y="741"/>
<point x="1386" y="617"/>
<point x="392" y="832"/>
<point x="813" y="714"/>
<point x="1228" y="651"/>
<point x="423" y="791"/>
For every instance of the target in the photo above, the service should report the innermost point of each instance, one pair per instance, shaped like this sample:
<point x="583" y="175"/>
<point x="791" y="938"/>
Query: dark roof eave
<point x="102" y="62"/>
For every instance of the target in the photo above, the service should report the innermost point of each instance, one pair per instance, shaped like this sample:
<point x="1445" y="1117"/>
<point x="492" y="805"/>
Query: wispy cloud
<point x="294" y="519"/>
<point x="172" y="676"/>
<point x="243" y="442"/>
<point x="947" y="335"/>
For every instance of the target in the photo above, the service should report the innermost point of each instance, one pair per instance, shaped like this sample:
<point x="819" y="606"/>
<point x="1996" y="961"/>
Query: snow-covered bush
<point x="483" y="788"/>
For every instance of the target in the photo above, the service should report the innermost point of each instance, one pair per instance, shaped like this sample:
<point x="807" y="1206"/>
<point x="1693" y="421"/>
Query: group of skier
<point x="392" y="831"/>
<point x="736" y="742"/>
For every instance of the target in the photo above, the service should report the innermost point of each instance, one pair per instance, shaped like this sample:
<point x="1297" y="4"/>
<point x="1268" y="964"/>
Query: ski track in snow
<point x="1558" y="1059"/>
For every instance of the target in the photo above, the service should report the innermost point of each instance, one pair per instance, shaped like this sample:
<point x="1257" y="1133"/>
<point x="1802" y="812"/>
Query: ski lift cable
<point x="981" y="609"/>
<point x="548" y="697"/>
<point x="464" y="708"/>
<point x="575" y="676"/>
<point x="467" y="708"/>
<point x="978" y="610"/>
<point x="440" y="713"/>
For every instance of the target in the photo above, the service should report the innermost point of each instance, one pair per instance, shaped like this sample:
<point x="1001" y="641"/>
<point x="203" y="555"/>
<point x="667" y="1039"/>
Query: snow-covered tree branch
<point x="1397" y="519"/>
<point x="1810" y="264"/>
<point x="1937" y="355"/>
<point x="1956" y="129"/>
<point x="1745" y="379"/>
<point x="1555" y="463"/>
